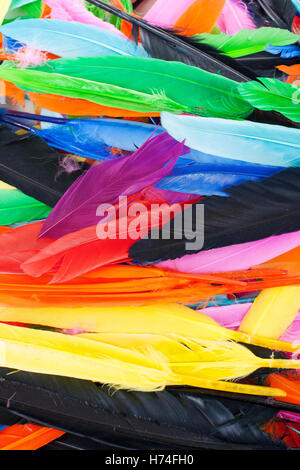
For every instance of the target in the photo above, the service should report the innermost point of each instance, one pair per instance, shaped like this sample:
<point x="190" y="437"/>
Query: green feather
<point x="273" y="95"/>
<point x="16" y="207"/>
<point x="189" y="89"/>
<point x="24" y="9"/>
<point x="248" y="41"/>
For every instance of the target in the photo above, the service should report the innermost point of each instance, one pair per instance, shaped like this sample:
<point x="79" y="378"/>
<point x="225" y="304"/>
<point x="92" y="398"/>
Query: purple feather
<point x="104" y="183"/>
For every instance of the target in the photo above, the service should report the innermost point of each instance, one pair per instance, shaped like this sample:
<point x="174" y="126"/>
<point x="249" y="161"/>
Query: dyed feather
<point x="74" y="10"/>
<point x="70" y="39"/>
<point x="229" y="316"/>
<point x="246" y="42"/>
<point x="273" y="95"/>
<point x="254" y="211"/>
<point x="279" y="13"/>
<point x="273" y="311"/>
<point x="170" y="419"/>
<point x="235" y="17"/>
<point x="200" y="17"/>
<point x="165" y="13"/>
<point x="274" y="145"/>
<point x="286" y="52"/>
<point x="17" y="207"/>
<point x="27" y="437"/>
<point x="297" y="4"/>
<point x="105" y="183"/>
<point x="235" y="257"/>
<point x="27" y="163"/>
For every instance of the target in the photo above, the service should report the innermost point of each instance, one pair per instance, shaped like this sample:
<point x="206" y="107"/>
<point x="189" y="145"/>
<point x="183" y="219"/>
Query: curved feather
<point x="165" y="13"/>
<point x="254" y="211"/>
<point x="235" y="17"/>
<point x="70" y="39"/>
<point x="273" y="95"/>
<point x="235" y="257"/>
<point x="242" y="140"/>
<point x="246" y="41"/>
<point x="17" y="207"/>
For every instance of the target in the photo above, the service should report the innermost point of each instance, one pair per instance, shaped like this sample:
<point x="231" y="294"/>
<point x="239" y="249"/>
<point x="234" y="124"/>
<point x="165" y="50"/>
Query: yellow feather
<point x="4" y="7"/>
<point x="272" y="312"/>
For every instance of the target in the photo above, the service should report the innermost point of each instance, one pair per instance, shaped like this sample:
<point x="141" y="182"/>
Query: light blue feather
<point x="70" y="39"/>
<point x="239" y="140"/>
<point x="286" y="52"/>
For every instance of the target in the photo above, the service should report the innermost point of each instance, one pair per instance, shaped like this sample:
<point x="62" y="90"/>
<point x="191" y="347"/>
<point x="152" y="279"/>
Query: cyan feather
<point x="70" y="39"/>
<point x="240" y="140"/>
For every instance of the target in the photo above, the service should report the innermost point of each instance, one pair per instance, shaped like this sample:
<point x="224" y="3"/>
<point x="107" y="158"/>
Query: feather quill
<point x="70" y="39"/>
<point x="105" y="183"/>
<point x="254" y="211"/>
<point x="274" y="145"/>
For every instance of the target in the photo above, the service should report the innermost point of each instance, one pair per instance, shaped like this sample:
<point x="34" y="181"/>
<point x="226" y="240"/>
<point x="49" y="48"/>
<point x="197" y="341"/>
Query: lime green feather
<point x="181" y="87"/>
<point x="273" y="95"/>
<point x="248" y="41"/>
<point x="16" y="207"/>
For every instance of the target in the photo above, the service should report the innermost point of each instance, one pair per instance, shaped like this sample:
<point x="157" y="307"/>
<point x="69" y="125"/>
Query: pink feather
<point x="230" y="316"/>
<point x="235" y="257"/>
<point x="165" y="13"/>
<point x="74" y="10"/>
<point x="292" y="334"/>
<point x="234" y="17"/>
<point x="30" y="57"/>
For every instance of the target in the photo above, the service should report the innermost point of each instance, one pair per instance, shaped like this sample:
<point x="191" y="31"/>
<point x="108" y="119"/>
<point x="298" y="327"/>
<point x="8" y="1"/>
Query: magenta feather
<point x="234" y="17"/>
<point x="104" y="183"/>
<point x="229" y="316"/>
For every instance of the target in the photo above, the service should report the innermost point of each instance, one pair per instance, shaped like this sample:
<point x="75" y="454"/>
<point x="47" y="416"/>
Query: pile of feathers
<point x="150" y="224"/>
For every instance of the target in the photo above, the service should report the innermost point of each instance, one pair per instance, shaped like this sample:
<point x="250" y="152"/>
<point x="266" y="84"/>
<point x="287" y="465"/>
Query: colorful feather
<point x="255" y="210"/>
<point x="70" y="39"/>
<point x="274" y="145"/>
<point x="286" y="52"/>
<point x="273" y="311"/>
<point x="235" y="17"/>
<point x="105" y="183"/>
<point x="273" y="95"/>
<point x="27" y="437"/>
<point x="165" y="13"/>
<point x="5" y="5"/>
<point x="17" y="207"/>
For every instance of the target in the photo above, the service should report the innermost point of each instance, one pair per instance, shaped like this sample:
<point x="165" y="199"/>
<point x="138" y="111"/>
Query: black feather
<point x="135" y="419"/>
<point x="254" y="211"/>
<point x="29" y="164"/>
<point x="278" y="13"/>
<point x="162" y="44"/>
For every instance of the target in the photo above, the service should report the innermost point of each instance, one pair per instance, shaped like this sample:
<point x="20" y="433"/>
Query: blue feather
<point x="239" y="140"/>
<point x="286" y="52"/>
<point x="10" y="46"/>
<point x="194" y="173"/>
<point x="297" y="4"/>
<point x="70" y="39"/>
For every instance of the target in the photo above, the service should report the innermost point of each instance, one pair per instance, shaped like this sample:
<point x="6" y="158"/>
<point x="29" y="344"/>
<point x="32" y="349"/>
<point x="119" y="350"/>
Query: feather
<point x="186" y="420"/>
<point x="287" y="382"/>
<point x="5" y="5"/>
<point x="254" y="211"/>
<point x="289" y="261"/>
<point x="235" y="257"/>
<point x="195" y="53"/>
<point x="273" y="311"/>
<point x="74" y="10"/>
<point x="297" y="4"/>
<point x="246" y="42"/>
<point x="27" y="437"/>
<point x="16" y="207"/>
<point x="70" y="39"/>
<point x="155" y="74"/>
<point x="274" y="145"/>
<point x="165" y="13"/>
<point x="286" y="52"/>
<point x="279" y="13"/>
<point x="235" y="17"/>
<point x="273" y="95"/>
<point x="229" y="316"/>
<point x="200" y="17"/>
<point x="27" y="163"/>
<point x="70" y="356"/>
<point x="105" y="183"/>
<point x="293" y="72"/>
